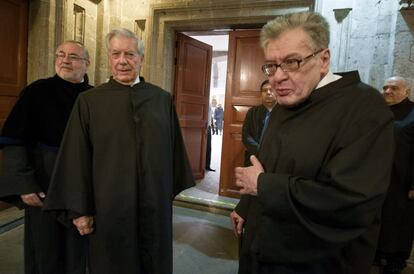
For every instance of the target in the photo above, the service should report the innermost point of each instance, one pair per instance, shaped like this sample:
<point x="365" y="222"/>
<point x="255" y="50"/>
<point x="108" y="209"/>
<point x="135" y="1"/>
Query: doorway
<point x="219" y="99"/>
<point x="241" y="93"/>
<point x="219" y="41"/>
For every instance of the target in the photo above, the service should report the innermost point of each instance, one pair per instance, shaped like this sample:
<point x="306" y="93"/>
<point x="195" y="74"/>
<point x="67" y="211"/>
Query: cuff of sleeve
<point x="243" y="206"/>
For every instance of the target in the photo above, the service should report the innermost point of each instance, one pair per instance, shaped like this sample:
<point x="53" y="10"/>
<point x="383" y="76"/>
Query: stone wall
<point x="403" y="53"/>
<point x="41" y="42"/>
<point x="374" y="37"/>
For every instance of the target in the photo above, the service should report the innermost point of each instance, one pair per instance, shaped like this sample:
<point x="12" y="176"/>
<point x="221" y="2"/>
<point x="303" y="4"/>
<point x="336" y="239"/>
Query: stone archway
<point x="168" y="18"/>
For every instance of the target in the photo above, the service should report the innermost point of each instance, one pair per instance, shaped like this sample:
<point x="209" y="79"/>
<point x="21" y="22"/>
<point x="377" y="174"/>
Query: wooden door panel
<point x="13" y="48"/>
<point x="249" y="59"/>
<point x="6" y="105"/>
<point x="13" y="21"/>
<point x="191" y="91"/>
<point x="244" y="77"/>
<point x="192" y="137"/>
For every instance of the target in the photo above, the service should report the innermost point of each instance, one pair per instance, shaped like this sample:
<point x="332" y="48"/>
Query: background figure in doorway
<point x="256" y="121"/>
<point x="208" y="146"/>
<point x="397" y="227"/>
<point x="218" y="117"/>
<point x="213" y="128"/>
<point x="30" y="140"/>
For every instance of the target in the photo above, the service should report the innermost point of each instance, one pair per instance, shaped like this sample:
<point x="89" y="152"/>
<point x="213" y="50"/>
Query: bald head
<point x="395" y="90"/>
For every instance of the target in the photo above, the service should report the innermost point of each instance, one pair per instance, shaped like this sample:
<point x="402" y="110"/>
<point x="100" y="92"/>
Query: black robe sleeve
<point x="409" y="135"/>
<point x="17" y="174"/>
<point x="342" y="204"/>
<point x="250" y="134"/>
<point x="242" y="207"/>
<point x="76" y="145"/>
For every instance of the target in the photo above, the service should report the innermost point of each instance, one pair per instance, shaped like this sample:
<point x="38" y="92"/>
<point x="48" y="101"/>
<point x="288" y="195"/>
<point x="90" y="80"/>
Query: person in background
<point x="219" y="117"/>
<point x="30" y="140"/>
<point x="121" y="163"/>
<point x="213" y="108"/>
<point x="208" y="146"/>
<point x="312" y="198"/>
<point x="397" y="227"/>
<point x="256" y="121"/>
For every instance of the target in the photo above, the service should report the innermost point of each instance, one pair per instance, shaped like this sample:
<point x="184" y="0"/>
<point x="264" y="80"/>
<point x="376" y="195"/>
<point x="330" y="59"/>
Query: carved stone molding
<point x="341" y="14"/>
<point x="139" y="28"/>
<point x="343" y="17"/>
<point x="79" y="23"/>
<point x="168" y="18"/>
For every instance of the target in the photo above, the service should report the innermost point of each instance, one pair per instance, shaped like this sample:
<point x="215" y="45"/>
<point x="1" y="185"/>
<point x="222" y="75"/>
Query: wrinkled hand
<point x="411" y="194"/>
<point x="84" y="224"/>
<point x="246" y="177"/>
<point x="237" y="222"/>
<point x="33" y="199"/>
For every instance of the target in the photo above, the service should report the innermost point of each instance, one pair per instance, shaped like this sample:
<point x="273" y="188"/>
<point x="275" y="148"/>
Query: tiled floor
<point x="203" y="243"/>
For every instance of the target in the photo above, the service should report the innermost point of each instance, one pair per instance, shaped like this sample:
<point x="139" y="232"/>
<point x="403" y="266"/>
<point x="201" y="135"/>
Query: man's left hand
<point x="246" y="177"/>
<point x="84" y="224"/>
<point x="411" y="194"/>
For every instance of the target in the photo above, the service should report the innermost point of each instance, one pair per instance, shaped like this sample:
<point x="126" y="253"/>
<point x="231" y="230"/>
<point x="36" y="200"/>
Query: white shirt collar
<point x="329" y="78"/>
<point x="136" y="81"/>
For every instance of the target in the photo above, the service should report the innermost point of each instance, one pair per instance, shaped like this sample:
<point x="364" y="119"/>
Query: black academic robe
<point x="251" y="131"/>
<point x="122" y="161"/>
<point x="397" y="229"/>
<point x="327" y="166"/>
<point x="29" y="140"/>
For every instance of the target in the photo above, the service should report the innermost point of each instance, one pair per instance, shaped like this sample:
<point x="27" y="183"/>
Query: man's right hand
<point x="33" y="199"/>
<point x="237" y="222"/>
<point x="84" y="224"/>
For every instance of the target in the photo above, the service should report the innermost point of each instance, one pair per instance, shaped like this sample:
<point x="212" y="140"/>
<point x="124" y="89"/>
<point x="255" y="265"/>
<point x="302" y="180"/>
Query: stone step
<point x="10" y="218"/>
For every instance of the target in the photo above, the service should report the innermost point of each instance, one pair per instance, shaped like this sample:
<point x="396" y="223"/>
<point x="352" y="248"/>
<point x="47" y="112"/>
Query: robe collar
<point x="328" y="78"/>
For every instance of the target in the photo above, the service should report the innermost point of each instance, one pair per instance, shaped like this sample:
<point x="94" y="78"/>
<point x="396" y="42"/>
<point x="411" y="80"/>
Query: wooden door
<point x="244" y="76"/>
<point x="191" y="91"/>
<point x="13" y="49"/>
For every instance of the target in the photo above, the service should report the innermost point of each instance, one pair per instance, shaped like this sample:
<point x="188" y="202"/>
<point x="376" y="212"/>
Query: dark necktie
<point x="265" y="124"/>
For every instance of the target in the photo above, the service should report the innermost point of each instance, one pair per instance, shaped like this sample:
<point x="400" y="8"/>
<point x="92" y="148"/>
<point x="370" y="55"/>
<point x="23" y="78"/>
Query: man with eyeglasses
<point x="397" y="227"/>
<point x="121" y="163"/>
<point x="30" y="140"/>
<point x="256" y="121"/>
<point x="311" y="199"/>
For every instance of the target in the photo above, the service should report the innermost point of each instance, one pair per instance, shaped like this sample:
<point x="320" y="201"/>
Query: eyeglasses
<point x="71" y="57"/>
<point x="288" y="65"/>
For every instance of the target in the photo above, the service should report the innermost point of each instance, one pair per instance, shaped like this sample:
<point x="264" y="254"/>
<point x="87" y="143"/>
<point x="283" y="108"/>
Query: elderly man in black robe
<point x="312" y="198"/>
<point x="30" y="140"/>
<point x="256" y="121"/>
<point x="397" y="228"/>
<point x="121" y="163"/>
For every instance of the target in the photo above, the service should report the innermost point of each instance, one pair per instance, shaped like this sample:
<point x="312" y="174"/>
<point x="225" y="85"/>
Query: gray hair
<point x="399" y="79"/>
<point x="314" y="24"/>
<point x="117" y="32"/>
<point x="81" y="45"/>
